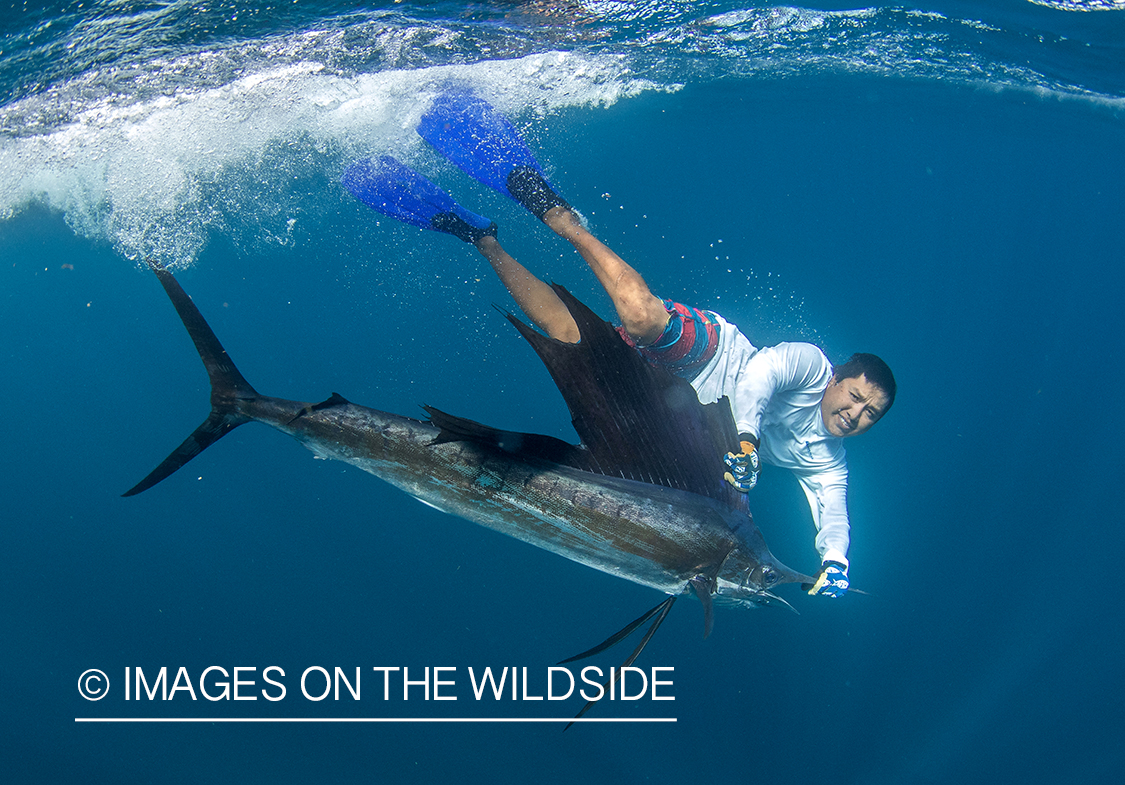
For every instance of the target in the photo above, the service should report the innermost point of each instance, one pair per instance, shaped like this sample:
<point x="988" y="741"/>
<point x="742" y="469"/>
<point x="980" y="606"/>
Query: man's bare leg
<point x="642" y="313"/>
<point x="534" y="297"/>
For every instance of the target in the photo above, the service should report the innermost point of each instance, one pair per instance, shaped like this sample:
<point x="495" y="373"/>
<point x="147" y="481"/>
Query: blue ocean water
<point x="939" y="183"/>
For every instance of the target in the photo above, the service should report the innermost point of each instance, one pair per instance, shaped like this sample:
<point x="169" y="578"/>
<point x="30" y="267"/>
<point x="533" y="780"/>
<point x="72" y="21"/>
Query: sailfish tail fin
<point x="228" y="387"/>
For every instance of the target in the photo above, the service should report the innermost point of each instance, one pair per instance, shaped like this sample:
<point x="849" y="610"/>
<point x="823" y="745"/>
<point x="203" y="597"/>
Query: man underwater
<point x="792" y="408"/>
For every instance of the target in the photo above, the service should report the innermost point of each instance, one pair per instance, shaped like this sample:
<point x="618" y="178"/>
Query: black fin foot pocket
<point x="461" y="229"/>
<point x="529" y="188"/>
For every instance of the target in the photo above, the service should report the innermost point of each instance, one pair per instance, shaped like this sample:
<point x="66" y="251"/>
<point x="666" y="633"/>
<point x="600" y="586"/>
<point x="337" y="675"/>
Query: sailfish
<point x="641" y="496"/>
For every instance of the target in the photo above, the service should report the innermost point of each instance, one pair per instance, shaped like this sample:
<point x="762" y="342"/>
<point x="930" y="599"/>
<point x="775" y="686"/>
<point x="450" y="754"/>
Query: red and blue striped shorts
<point x="687" y="343"/>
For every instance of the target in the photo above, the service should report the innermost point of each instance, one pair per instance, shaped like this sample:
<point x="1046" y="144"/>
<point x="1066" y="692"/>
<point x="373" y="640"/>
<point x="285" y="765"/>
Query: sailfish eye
<point x="769" y="577"/>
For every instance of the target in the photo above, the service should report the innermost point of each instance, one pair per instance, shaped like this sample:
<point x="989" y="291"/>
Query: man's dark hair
<point x="871" y="366"/>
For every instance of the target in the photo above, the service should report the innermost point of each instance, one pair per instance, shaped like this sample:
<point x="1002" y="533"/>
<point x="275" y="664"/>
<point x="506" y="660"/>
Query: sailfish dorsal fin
<point x="636" y="420"/>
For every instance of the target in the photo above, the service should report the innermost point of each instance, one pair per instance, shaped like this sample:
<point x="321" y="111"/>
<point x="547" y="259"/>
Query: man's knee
<point x="642" y="315"/>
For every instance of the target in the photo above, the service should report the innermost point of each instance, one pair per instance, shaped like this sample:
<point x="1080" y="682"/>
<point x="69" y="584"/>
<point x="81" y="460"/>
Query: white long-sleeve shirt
<point x="775" y="393"/>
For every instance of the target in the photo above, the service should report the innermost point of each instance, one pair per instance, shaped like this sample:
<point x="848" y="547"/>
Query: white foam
<point x="154" y="174"/>
<point x="248" y="140"/>
<point x="1083" y="5"/>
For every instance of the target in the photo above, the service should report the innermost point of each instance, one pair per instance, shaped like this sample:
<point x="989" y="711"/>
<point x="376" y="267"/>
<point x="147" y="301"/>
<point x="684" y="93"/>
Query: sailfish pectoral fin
<point x="662" y="609"/>
<point x="704" y="587"/>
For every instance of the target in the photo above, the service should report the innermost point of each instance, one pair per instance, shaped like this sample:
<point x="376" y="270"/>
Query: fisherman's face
<point x="851" y="406"/>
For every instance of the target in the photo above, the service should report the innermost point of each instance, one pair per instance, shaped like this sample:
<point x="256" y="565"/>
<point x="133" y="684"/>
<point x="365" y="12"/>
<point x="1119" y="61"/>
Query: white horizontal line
<point x="374" y="719"/>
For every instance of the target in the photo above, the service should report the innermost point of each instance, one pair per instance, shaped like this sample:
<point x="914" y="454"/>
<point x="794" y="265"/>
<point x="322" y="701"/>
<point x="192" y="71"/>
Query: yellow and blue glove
<point x="832" y="580"/>
<point x="744" y="467"/>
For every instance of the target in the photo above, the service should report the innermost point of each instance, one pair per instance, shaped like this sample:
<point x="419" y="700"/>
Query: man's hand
<point x="743" y="474"/>
<point x="832" y="580"/>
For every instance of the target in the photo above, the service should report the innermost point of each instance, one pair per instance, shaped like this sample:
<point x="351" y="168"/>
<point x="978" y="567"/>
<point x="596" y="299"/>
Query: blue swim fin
<point x="481" y="141"/>
<point x="392" y="188"/>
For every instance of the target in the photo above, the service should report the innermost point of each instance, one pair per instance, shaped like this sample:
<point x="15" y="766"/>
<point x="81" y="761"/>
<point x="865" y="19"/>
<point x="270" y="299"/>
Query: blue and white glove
<point x="744" y="467"/>
<point x="832" y="581"/>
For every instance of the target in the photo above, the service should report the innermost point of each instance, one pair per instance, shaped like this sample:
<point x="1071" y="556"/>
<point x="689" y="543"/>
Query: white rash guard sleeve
<point x="775" y="393"/>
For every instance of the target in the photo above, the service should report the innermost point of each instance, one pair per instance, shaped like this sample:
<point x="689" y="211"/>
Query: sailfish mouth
<point x="769" y="598"/>
<point x="755" y="586"/>
<point x="752" y="598"/>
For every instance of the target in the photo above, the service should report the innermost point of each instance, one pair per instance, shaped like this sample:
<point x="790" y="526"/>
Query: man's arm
<point x="787" y="367"/>
<point x="827" y="495"/>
